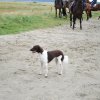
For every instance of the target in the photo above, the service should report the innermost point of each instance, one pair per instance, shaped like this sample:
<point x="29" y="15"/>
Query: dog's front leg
<point x="56" y="61"/>
<point x="41" y="69"/>
<point x="46" y="70"/>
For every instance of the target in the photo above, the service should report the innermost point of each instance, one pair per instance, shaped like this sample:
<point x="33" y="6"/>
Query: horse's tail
<point x="90" y="14"/>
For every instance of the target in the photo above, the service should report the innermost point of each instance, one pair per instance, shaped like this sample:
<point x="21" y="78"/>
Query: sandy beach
<point x="19" y="68"/>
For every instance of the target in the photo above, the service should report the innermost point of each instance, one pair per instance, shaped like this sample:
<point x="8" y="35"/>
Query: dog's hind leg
<point x="60" y="65"/>
<point x="41" y="69"/>
<point x="56" y="61"/>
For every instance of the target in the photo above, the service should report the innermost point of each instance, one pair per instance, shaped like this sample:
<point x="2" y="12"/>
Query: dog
<point x="47" y="56"/>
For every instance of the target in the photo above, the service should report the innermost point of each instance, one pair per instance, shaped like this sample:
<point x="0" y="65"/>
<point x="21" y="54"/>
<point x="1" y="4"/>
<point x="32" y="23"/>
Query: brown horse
<point x="58" y="6"/>
<point x="88" y="10"/>
<point x="76" y="11"/>
<point x="96" y="7"/>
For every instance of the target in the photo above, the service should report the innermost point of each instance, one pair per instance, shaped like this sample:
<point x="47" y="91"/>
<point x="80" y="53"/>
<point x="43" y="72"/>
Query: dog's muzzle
<point x="32" y="51"/>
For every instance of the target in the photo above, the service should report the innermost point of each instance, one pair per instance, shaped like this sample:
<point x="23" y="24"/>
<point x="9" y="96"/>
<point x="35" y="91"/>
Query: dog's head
<point x="37" y="49"/>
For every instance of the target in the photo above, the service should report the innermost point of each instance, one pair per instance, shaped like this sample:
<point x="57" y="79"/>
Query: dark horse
<point x="65" y="5"/>
<point x="58" y="5"/>
<point x="76" y="11"/>
<point x="61" y="5"/>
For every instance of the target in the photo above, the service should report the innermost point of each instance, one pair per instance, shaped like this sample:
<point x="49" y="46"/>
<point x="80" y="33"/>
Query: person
<point x="69" y="1"/>
<point x="83" y="4"/>
<point x="93" y="3"/>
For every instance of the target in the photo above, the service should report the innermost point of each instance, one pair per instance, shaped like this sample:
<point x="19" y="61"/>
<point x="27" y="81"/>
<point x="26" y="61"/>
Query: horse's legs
<point x="59" y="12"/>
<point x="56" y="12"/>
<point x="74" y="19"/>
<point x="70" y="19"/>
<point x="64" y="12"/>
<point x="87" y="15"/>
<point x="90" y="14"/>
<point x="81" y="23"/>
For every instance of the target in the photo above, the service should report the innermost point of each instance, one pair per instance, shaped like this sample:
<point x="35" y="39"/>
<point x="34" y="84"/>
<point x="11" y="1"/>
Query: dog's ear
<point x="39" y="49"/>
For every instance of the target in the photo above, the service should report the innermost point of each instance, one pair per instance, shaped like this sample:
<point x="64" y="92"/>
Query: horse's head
<point x="78" y="4"/>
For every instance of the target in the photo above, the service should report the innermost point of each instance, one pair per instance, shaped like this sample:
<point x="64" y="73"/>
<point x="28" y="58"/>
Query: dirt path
<point x="19" y="68"/>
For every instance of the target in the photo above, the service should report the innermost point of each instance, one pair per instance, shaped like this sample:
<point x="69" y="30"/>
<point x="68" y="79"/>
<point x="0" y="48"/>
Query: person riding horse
<point x="83" y="4"/>
<point x="92" y="3"/>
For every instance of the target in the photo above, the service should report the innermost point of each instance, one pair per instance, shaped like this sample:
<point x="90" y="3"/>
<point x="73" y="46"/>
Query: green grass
<point x="18" y="17"/>
<point x="14" y="24"/>
<point x="95" y="14"/>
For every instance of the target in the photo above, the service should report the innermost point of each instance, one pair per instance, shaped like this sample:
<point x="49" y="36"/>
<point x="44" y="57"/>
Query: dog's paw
<point x="46" y="76"/>
<point x="40" y="73"/>
<point x="59" y="74"/>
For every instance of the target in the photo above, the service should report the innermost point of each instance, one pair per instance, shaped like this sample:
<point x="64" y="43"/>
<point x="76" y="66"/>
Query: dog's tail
<point x="65" y="61"/>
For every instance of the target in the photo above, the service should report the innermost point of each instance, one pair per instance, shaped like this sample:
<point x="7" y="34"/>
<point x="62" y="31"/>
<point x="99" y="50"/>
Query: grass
<point x="95" y="14"/>
<point x="14" y="24"/>
<point x="16" y="17"/>
<point x="19" y="17"/>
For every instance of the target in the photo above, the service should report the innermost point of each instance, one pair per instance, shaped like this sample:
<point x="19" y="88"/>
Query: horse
<point x="65" y="5"/>
<point x="88" y="10"/>
<point x="58" y="6"/>
<point x="76" y="11"/>
<point x="96" y="7"/>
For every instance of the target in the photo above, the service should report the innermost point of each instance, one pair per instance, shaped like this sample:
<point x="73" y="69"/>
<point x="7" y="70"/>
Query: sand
<point x="19" y="68"/>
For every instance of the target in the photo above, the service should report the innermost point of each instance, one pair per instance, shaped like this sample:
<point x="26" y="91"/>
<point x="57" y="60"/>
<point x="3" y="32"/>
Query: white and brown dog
<point x="47" y="56"/>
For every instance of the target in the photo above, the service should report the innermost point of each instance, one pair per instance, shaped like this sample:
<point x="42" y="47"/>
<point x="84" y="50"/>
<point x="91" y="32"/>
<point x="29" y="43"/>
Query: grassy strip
<point x="19" y="17"/>
<point x="14" y="24"/>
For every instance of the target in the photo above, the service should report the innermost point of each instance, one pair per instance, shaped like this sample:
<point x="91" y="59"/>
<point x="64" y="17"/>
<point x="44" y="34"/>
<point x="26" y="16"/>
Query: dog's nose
<point x="30" y="49"/>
